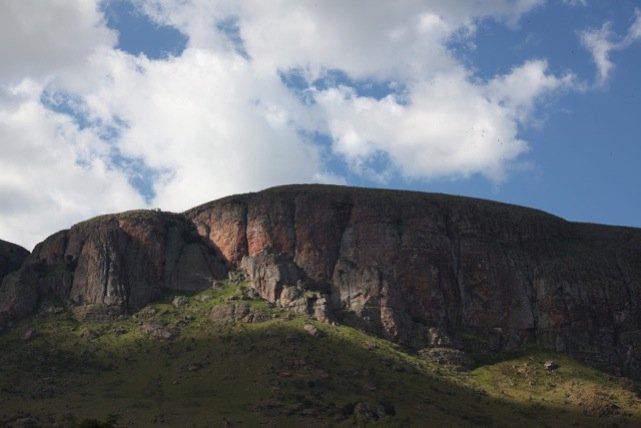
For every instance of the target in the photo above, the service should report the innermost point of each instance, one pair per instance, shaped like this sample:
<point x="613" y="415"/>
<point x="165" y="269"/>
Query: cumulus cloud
<point x="451" y="126"/>
<point x="40" y="38"/>
<point x="51" y="173"/>
<point x="601" y="42"/>
<point x="83" y="122"/>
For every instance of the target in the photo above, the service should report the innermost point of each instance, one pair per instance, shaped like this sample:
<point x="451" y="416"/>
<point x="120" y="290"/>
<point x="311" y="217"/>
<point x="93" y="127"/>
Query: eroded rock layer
<point x="489" y="276"/>
<point x="112" y="265"/>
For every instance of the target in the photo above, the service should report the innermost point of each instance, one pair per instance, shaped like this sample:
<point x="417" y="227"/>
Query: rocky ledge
<point x="427" y="271"/>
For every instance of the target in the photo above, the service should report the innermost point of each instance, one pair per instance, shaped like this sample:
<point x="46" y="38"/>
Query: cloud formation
<point x="86" y="123"/>
<point x="601" y="42"/>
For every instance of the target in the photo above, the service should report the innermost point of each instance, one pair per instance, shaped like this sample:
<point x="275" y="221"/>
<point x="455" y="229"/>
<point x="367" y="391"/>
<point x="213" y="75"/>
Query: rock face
<point x="112" y="265"/>
<point x="427" y="271"/>
<point x="397" y="264"/>
<point x="11" y="257"/>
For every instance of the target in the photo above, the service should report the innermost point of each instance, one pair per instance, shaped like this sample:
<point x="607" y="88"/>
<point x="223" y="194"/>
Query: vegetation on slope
<point x="201" y="361"/>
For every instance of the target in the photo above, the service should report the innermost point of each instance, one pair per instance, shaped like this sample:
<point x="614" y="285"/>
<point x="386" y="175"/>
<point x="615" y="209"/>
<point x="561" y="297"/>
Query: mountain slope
<point x="265" y="366"/>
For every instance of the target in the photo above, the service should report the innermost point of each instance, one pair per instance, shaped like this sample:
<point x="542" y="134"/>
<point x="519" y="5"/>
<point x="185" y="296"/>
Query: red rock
<point x="397" y="263"/>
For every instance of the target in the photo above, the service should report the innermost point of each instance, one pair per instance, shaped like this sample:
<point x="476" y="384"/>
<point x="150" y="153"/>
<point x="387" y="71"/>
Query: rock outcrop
<point x="11" y="258"/>
<point x="427" y="271"/>
<point x="112" y="264"/>
<point x="492" y="276"/>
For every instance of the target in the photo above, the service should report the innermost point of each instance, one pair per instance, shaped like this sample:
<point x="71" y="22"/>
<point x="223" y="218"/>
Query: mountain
<point x="11" y="257"/>
<point x="456" y="280"/>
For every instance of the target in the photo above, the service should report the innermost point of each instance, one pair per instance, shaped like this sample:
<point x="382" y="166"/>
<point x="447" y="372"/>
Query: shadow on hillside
<point x="273" y="374"/>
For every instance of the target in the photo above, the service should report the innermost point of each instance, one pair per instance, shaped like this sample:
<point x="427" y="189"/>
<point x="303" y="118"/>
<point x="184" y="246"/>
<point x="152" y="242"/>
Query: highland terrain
<point x="324" y="306"/>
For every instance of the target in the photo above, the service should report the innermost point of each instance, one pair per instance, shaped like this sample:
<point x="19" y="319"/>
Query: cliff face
<point x="112" y="264"/>
<point x="11" y="257"/>
<point x="423" y="269"/>
<point x="420" y="269"/>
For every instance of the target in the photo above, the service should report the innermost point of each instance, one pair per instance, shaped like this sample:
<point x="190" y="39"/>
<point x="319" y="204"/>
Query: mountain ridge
<point x="423" y="270"/>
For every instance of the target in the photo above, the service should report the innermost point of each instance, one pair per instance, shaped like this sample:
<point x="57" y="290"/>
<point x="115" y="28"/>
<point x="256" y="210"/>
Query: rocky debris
<point x="312" y="330"/>
<point x="47" y="307"/>
<point x="179" y="301"/>
<point x="282" y="282"/>
<point x="366" y="412"/>
<point x="96" y="313"/>
<point x="120" y="330"/>
<point x="194" y="367"/>
<point x="455" y="358"/>
<point x="370" y="345"/>
<point x="204" y="298"/>
<point x="29" y="335"/>
<point x="550" y="365"/>
<point x="245" y="293"/>
<point x="158" y="330"/>
<point x="437" y="338"/>
<point x="230" y="313"/>
<point x="236" y="277"/>
<point x="90" y="334"/>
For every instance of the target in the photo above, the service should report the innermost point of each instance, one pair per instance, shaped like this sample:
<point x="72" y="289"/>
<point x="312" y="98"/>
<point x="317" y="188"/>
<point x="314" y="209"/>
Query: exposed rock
<point x="230" y="313"/>
<point x="550" y="365"/>
<point x="448" y="357"/>
<point x="397" y="263"/>
<point x="281" y="281"/>
<point x="312" y="330"/>
<point x="157" y="330"/>
<point x="28" y="335"/>
<point x="119" y="262"/>
<point x="11" y="258"/>
<point x="179" y="301"/>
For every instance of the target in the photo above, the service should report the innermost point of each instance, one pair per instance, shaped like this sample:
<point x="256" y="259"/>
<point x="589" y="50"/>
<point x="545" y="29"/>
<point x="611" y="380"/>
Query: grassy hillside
<point x="175" y="365"/>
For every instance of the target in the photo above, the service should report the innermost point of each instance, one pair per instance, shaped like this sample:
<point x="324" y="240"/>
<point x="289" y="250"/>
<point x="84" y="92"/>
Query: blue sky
<point x="156" y="103"/>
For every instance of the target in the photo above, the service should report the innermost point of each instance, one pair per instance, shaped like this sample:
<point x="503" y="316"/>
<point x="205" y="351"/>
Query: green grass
<point x="274" y="373"/>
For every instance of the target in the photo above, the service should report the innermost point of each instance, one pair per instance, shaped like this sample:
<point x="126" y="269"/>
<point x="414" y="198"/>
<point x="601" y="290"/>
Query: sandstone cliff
<point x="427" y="270"/>
<point x="423" y="270"/>
<point x="112" y="264"/>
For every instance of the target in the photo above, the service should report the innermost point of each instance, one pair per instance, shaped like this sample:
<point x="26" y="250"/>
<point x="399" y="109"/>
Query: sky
<point x="113" y="105"/>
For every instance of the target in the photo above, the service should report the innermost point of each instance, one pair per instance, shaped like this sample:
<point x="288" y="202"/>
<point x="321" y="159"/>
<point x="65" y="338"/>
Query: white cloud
<point x="601" y="43"/>
<point x="51" y="173"/>
<point x="576" y="2"/>
<point x="217" y="124"/>
<point x="450" y="127"/>
<point x="40" y="38"/>
<point x="212" y="122"/>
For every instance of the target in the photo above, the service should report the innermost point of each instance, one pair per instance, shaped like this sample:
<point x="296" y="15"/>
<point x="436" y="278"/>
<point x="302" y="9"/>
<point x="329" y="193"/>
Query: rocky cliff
<point x="112" y="265"/>
<point x="11" y="258"/>
<point x="430" y="270"/>
<point x="423" y="270"/>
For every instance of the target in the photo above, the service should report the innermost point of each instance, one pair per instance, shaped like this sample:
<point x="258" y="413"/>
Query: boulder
<point x="158" y="330"/>
<point x="230" y="313"/>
